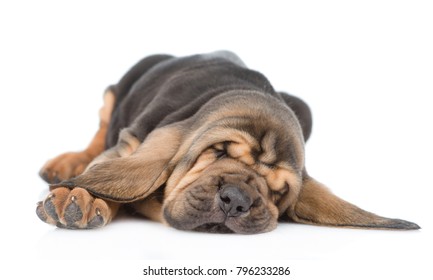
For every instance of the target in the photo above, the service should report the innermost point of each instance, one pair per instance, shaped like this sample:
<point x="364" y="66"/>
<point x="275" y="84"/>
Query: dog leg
<point x="150" y="207"/>
<point x="75" y="209"/>
<point x="125" y="173"/>
<point x="68" y="165"/>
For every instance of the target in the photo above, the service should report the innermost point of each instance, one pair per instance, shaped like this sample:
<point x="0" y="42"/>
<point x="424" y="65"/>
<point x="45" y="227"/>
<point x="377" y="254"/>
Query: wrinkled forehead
<point x="240" y="152"/>
<point x="228" y="170"/>
<point x="283" y="180"/>
<point x="235" y="168"/>
<point x="242" y="159"/>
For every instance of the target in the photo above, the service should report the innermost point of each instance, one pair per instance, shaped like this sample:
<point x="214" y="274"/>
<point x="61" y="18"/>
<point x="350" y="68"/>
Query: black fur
<point x="161" y="89"/>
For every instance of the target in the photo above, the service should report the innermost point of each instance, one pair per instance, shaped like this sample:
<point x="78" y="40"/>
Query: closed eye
<point x="268" y="165"/>
<point x="220" y="153"/>
<point x="277" y="195"/>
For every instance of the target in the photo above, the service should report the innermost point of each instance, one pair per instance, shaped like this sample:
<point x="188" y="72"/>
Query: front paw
<point x="65" y="166"/>
<point x="74" y="209"/>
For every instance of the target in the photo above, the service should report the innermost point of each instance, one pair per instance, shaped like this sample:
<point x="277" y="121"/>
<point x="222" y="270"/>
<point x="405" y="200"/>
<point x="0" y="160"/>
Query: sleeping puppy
<point x="199" y="143"/>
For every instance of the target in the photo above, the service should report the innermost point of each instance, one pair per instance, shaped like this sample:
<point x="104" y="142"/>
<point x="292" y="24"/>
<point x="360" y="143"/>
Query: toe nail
<point x="98" y="212"/>
<point x="73" y="198"/>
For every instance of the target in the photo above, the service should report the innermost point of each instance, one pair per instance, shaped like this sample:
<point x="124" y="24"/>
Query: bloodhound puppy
<point x="199" y="143"/>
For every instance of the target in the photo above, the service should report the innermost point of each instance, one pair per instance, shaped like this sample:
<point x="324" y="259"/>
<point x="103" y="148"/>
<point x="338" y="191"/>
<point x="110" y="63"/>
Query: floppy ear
<point x="135" y="176"/>
<point x="317" y="205"/>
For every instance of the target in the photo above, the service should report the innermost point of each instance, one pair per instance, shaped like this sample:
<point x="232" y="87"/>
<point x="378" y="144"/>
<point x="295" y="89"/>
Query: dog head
<point x="240" y="172"/>
<point x="236" y="166"/>
<point x="221" y="194"/>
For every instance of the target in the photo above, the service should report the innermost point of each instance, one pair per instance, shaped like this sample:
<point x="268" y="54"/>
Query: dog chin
<point x="213" y="228"/>
<point x="231" y="226"/>
<point x="220" y="223"/>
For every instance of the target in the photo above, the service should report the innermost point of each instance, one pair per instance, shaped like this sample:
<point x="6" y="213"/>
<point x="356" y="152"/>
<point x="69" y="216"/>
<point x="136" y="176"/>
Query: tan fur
<point x="58" y="198"/>
<point x="106" y="209"/>
<point x="268" y="145"/>
<point x="182" y="156"/>
<point x="150" y="208"/>
<point x="107" y="109"/>
<point x="199" y="141"/>
<point x="280" y="179"/>
<point x="205" y="159"/>
<point x="87" y="208"/>
<point x="277" y="178"/>
<point x="83" y="199"/>
<point x="126" y="146"/>
<point x="146" y="169"/>
<point x="71" y="164"/>
<point x="317" y="205"/>
<point x="129" y="143"/>
<point x="174" y="189"/>
<point x="241" y="151"/>
<point x="222" y="171"/>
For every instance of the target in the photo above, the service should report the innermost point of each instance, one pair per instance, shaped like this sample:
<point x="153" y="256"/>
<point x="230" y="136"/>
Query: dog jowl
<point x="199" y="143"/>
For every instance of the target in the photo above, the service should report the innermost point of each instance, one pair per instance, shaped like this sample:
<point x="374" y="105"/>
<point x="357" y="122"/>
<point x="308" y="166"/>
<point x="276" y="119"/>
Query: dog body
<point x="199" y="143"/>
<point x="170" y="90"/>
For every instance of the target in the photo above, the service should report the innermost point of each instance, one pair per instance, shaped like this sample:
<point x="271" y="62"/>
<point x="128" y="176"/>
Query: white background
<point x="365" y="68"/>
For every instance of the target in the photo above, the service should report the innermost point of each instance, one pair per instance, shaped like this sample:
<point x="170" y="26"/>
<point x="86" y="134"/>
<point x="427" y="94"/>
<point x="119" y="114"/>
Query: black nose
<point x="234" y="201"/>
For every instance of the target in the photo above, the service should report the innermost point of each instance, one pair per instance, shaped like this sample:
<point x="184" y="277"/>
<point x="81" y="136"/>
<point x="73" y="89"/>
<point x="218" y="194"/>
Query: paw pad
<point x="74" y="209"/>
<point x="72" y="213"/>
<point x="49" y="207"/>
